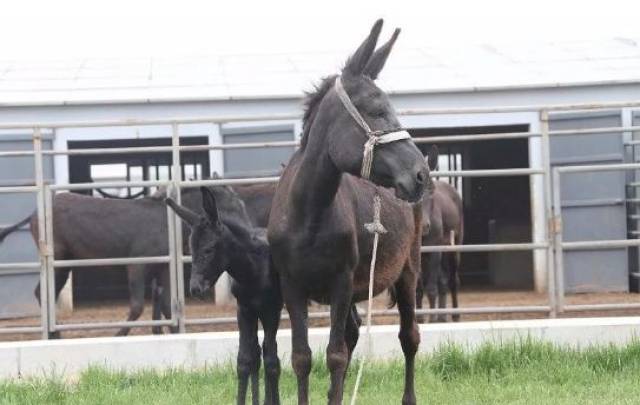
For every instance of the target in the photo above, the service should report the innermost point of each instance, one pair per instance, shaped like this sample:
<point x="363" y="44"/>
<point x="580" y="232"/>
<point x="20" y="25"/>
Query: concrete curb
<point x="67" y="358"/>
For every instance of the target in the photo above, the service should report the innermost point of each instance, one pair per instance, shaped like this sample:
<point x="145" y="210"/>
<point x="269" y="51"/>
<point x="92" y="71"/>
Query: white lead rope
<point x="376" y="228"/>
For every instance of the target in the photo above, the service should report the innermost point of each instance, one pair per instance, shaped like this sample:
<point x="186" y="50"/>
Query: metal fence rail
<point x="176" y="259"/>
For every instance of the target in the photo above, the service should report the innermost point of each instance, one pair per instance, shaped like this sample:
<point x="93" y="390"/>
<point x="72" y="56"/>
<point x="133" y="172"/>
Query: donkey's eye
<point x="378" y="113"/>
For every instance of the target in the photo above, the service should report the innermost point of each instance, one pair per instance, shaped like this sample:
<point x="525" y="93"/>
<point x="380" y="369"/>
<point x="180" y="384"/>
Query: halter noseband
<point x="375" y="137"/>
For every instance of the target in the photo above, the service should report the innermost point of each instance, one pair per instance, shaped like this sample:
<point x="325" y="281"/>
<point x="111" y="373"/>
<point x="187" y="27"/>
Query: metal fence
<point x="551" y="244"/>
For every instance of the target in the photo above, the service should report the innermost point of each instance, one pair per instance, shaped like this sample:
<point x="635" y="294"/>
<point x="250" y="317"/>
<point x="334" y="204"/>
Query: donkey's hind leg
<point x="352" y="330"/>
<point x="352" y="333"/>
<point x="443" y="285"/>
<point x="156" y="305"/>
<point x="454" y="281"/>
<point x="136" y="277"/>
<point x="409" y="333"/>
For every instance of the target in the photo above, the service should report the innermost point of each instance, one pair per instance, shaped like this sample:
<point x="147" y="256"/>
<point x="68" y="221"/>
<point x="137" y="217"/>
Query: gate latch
<point x="555" y="225"/>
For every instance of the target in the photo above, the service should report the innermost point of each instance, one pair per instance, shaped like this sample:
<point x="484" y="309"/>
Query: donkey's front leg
<point x="409" y="333"/>
<point x="248" y="355"/>
<point x="337" y="350"/>
<point x="296" y="302"/>
<point x="434" y="268"/>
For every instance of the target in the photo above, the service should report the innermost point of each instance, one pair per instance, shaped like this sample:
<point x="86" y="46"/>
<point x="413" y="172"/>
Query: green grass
<point x="524" y="372"/>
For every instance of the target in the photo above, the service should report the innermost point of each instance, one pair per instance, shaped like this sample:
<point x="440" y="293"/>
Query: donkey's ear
<point x="377" y="61"/>
<point x="188" y="216"/>
<point x="209" y="205"/>
<point x="432" y="158"/>
<point x="356" y="63"/>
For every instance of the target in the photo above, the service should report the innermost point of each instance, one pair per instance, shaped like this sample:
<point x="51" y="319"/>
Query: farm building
<point x="503" y="209"/>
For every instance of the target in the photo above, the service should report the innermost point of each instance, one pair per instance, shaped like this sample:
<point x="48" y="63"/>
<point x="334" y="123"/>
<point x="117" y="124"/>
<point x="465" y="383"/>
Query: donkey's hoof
<point x="55" y="335"/>
<point x="409" y="400"/>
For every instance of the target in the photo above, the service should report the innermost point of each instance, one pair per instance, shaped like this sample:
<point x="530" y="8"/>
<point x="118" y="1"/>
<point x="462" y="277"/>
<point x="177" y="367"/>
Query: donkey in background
<point x="88" y="228"/>
<point x="231" y="244"/>
<point x="442" y="224"/>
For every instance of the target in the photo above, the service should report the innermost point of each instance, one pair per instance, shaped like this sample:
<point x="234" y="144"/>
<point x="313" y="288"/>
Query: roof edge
<point x="186" y="99"/>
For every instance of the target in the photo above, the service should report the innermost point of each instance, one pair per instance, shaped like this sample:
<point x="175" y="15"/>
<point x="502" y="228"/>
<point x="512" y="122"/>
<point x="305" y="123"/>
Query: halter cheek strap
<point x="375" y="137"/>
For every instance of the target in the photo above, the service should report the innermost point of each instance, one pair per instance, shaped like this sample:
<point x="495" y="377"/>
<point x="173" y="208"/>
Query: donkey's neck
<point x="316" y="182"/>
<point x="242" y="265"/>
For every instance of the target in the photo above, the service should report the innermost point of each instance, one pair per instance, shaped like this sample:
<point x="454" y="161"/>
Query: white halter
<point x="375" y="137"/>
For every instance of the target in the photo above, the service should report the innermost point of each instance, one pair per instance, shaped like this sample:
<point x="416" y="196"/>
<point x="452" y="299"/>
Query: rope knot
<point x="376" y="226"/>
<point x="367" y="157"/>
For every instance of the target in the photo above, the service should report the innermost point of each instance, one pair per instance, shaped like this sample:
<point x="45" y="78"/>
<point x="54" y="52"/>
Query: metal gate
<point x="552" y="229"/>
<point x="15" y="300"/>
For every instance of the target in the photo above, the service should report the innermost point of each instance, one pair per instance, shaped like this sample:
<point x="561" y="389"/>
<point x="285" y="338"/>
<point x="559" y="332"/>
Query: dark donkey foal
<point x="234" y="245"/>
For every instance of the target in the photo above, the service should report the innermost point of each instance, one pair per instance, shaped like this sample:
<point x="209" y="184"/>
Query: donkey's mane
<point x="311" y="102"/>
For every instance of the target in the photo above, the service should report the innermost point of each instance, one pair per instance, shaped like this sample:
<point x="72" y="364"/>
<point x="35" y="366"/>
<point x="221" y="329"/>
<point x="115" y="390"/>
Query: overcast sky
<point x="63" y="29"/>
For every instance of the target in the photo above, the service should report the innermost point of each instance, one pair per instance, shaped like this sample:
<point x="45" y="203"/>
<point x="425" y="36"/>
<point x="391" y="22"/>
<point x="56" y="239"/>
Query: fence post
<point x="49" y="257"/>
<point x="42" y="244"/>
<point x="548" y="212"/>
<point x="173" y="278"/>
<point x="557" y="240"/>
<point x="176" y="178"/>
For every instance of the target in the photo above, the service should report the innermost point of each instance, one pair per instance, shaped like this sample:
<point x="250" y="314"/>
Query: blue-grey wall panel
<point x="593" y="206"/>
<point x="256" y="161"/>
<point x="596" y="271"/>
<point x="593" y="223"/>
<point x="16" y="291"/>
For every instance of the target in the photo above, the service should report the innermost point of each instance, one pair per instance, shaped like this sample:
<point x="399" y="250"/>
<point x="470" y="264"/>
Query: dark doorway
<point x="496" y="209"/>
<point x="111" y="282"/>
<point x="134" y="166"/>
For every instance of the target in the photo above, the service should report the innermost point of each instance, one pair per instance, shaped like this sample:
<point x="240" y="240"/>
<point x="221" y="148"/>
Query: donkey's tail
<point x="10" y="229"/>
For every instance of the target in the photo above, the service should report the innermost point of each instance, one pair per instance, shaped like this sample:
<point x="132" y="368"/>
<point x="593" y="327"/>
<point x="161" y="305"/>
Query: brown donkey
<point x="316" y="229"/>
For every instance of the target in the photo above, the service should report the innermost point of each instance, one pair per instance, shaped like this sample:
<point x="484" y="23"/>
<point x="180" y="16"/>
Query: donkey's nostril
<point x="196" y="292"/>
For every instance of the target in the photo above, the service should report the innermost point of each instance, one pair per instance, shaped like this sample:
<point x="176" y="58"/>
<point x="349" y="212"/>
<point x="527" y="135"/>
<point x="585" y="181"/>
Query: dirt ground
<point x="117" y="311"/>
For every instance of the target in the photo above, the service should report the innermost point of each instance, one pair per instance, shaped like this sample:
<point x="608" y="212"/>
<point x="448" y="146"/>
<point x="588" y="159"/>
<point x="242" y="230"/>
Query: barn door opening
<point x="496" y="209"/>
<point x="96" y="284"/>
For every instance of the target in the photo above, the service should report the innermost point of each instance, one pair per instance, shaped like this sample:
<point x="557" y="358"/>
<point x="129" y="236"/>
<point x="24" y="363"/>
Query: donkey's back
<point x="88" y="227"/>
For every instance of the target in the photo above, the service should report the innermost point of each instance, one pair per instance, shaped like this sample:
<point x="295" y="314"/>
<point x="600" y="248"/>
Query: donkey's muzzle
<point x="199" y="288"/>
<point x="411" y="186"/>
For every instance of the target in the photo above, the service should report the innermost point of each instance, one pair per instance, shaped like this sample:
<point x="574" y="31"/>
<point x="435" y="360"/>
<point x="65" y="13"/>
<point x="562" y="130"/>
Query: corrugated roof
<point x="410" y="70"/>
